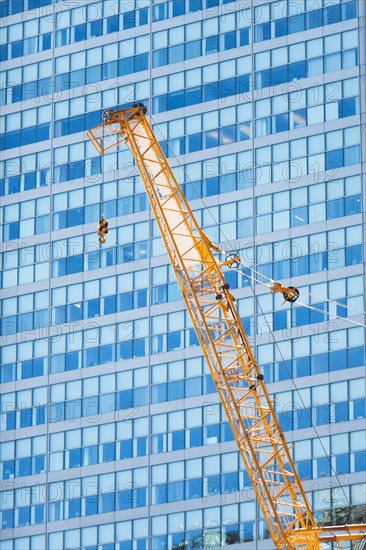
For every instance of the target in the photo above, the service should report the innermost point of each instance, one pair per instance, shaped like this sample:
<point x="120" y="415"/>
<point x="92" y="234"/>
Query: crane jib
<point x="224" y="343"/>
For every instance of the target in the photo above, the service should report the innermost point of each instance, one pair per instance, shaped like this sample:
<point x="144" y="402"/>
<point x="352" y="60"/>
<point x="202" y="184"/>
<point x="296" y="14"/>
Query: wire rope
<point x="310" y="294"/>
<point x="299" y="303"/>
<point x="335" y="302"/>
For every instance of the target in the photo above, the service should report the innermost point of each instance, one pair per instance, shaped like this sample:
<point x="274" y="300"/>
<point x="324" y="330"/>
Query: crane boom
<point x="224" y="343"/>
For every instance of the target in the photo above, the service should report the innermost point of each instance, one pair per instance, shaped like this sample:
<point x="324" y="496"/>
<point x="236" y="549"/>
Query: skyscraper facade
<point x="112" y="436"/>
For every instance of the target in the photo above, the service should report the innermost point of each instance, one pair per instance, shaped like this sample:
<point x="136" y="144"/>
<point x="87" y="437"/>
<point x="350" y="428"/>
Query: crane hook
<point x="102" y="229"/>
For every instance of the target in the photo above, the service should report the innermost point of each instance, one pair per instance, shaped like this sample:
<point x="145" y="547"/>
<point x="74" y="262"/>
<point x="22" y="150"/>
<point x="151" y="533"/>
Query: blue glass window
<point x="112" y="24"/>
<point x="89" y="454"/>
<point x="139" y="350"/>
<point x="194" y="540"/>
<point x="279" y="320"/>
<point x="279" y="75"/>
<point x="141" y="446"/>
<point x="106" y="503"/>
<point x="7" y="373"/>
<point x="178" y="8"/>
<point x="8" y="469"/>
<point x="194" y="488"/>
<point x="351" y="155"/>
<point x="159" y="393"/>
<point x="96" y="28"/>
<point x="12" y="139"/>
<point x="178" y="440"/>
<point x="40" y="414"/>
<point x="7" y="521"/>
<point x="38" y="464"/>
<point x="348" y="107"/>
<point x="17" y="49"/>
<point x="262" y="32"/>
<point x="338" y="360"/>
<point x="333" y="159"/>
<point x="158" y="543"/>
<point x="352" y="205"/>
<point x="46" y="41"/>
<point x="192" y="49"/>
<point x="193" y="387"/>
<point x="247" y="530"/>
<point x="74" y="508"/>
<point x="304" y="469"/>
<point x="353" y="255"/>
<point x="24" y="515"/>
<point x="91" y="357"/>
<point x="211" y="44"/>
<point x="360" y="461"/>
<point x="303" y="418"/>
<point x="296" y="23"/>
<point x="285" y="420"/>
<point x="80" y="32"/>
<point x="108" y="452"/>
<point x="26" y="418"/>
<point x="24" y="466"/>
<point x="175" y="390"/>
<point x="211" y="185"/>
<point x="230" y="534"/>
<point x="39" y="513"/>
<point x="229" y="40"/>
<point x="195" y="437"/>
<point x="349" y="10"/>
<point x="176" y="100"/>
<point x="280" y="27"/>
<point x="301" y="366"/>
<point x="340" y="412"/>
<point x="126" y="499"/>
<point x="74" y="458"/>
<point x="28" y="136"/>
<point x="129" y="20"/>
<point x="230" y="482"/>
<point x="93" y="74"/>
<point x="126" y="449"/>
<point x="91" y="505"/>
<point x="359" y="408"/>
<point x="332" y="14"/>
<point x="322" y="414"/>
<point x="175" y="491"/>
<point x="74" y="312"/>
<point x="72" y="410"/>
<point x="160" y="58"/>
<point x="323" y="467"/>
<point x="3" y="49"/>
<point x="160" y="494"/>
<point x="212" y="485"/>
<point x="143" y="16"/>
<point x="125" y="399"/>
<point x="314" y="19"/>
<point x="355" y="357"/>
<point x="110" y="303"/>
<point x="176" y="53"/>
<point x="195" y="5"/>
<point x="243" y="37"/>
<point x="319" y="363"/>
<point x="124" y="350"/>
<point x="76" y="170"/>
<point x="29" y="181"/>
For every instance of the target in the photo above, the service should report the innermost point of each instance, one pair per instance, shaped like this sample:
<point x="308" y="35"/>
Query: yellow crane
<point x="224" y="343"/>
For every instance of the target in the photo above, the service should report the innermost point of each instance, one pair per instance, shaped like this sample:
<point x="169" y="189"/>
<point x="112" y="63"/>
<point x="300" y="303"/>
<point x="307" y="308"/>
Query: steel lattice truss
<point x="212" y="309"/>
